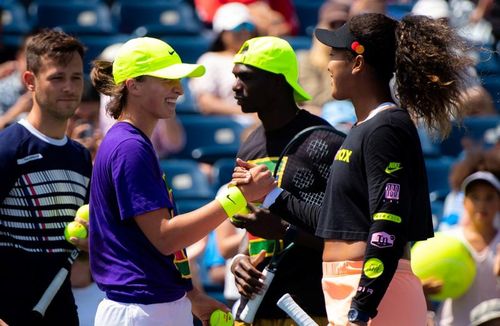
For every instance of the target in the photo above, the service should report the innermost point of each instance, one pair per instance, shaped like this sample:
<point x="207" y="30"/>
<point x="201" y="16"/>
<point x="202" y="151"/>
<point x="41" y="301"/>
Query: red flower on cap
<point x="358" y="48"/>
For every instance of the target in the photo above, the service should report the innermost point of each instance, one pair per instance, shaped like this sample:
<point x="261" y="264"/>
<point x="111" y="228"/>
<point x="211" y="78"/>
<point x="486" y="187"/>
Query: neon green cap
<point x="275" y="55"/>
<point x="147" y="56"/>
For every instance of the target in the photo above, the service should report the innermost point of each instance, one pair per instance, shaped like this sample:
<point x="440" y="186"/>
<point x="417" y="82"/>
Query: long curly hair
<point x="429" y="61"/>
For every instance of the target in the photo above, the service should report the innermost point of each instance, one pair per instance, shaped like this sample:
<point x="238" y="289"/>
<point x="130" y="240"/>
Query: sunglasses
<point x="244" y="26"/>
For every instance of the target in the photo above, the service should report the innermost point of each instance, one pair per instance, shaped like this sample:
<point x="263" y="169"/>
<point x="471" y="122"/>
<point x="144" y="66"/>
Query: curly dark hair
<point x="429" y="61"/>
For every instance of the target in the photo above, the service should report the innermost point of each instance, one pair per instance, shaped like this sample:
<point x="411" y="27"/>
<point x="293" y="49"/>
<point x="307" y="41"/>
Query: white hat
<point x="481" y="176"/>
<point x="431" y="8"/>
<point x="109" y="53"/>
<point x="485" y="311"/>
<point x="229" y="16"/>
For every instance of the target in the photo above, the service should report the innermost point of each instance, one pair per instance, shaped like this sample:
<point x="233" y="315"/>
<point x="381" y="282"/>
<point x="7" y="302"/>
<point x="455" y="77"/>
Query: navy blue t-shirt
<point x="43" y="182"/>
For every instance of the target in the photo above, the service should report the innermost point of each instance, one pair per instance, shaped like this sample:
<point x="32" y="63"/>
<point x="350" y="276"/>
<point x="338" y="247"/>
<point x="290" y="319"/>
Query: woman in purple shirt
<point x="136" y="245"/>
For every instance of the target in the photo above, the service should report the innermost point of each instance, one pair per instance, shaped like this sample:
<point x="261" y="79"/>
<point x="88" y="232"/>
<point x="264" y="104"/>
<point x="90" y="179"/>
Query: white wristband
<point x="271" y="197"/>
<point x="234" y="259"/>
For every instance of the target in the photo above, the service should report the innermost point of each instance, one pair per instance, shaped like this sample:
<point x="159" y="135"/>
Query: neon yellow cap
<point x="275" y="55"/>
<point x="147" y="56"/>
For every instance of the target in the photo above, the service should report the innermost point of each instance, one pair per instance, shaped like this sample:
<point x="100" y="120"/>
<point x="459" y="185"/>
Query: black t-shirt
<point x="300" y="271"/>
<point x="377" y="192"/>
<point x="379" y="169"/>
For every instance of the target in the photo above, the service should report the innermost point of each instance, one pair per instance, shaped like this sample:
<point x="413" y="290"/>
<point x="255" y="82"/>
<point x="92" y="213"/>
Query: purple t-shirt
<point x="126" y="182"/>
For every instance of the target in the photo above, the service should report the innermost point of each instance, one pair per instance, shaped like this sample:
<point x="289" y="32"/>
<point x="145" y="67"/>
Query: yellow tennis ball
<point x="244" y="211"/>
<point x="75" y="229"/>
<point x="446" y="259"/>
<point x="83" y="212"/>
<point x="221" y="318"/>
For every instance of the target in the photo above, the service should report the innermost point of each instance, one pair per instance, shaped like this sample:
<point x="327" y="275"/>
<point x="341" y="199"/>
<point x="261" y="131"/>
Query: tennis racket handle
<point x="248" y="313"/>
<point x="288" y="305"/>
<point x="51" y="291"/>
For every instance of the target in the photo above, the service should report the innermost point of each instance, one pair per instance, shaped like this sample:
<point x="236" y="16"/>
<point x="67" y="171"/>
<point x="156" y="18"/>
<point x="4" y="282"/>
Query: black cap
<point x="340" y="38"/>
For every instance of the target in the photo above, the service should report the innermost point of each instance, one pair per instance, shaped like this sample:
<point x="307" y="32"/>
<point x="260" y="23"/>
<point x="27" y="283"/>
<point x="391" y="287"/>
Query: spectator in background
<point x="230" y="240"/>
<point x="478" y="102"/>
<point x="359" y="7"/>
<point x="481" y="204"/>
<point x="312" y="63"/>
<point x="213" y="91"/>
<point x="475" y="159"/>
<point x="432" y="8"/>
<point x="168" y="136"/>
<point x="340" y="114"/>
<point x="83" y="126"/>
<point x="487" y="313"/>
<point x="272" y="17"/>
<point x="15" y="101"/>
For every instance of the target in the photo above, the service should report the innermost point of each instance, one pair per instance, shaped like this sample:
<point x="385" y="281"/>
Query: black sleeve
<point x="388" y="169"/>
<point x="296" y="211"/>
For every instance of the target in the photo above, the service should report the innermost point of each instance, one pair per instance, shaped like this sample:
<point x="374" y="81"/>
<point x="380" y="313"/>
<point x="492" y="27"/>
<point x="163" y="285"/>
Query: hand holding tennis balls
<point x="221" y="318"/>
<point x="76" y="230"/>
<point x="78" y="227"/>
<point x="83" y="213"/>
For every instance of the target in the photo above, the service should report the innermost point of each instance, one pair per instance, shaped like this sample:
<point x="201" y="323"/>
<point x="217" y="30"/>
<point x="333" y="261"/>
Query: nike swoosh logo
<point x="391" y="170"/>
<point x="171" y="52"/>
<point x="229" y="198"/>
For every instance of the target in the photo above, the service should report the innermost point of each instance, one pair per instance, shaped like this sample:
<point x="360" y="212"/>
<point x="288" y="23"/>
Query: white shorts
<point x="175" y="313"/>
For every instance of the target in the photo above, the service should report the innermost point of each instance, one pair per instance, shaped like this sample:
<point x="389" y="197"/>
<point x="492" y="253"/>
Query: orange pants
<point x="402" y="304"/>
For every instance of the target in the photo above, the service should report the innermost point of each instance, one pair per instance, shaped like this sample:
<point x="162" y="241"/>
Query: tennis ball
<point x="83" y="212"/>
<point x="244" y="211"/>
<point x="75" y="229"/>
<point x="221" y="318"/>
<point x="446" y="259"/>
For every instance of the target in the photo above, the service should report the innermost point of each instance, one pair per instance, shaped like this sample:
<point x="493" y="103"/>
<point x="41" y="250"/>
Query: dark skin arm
<point x="261" y="222"/>
<point x="247" y="276"/>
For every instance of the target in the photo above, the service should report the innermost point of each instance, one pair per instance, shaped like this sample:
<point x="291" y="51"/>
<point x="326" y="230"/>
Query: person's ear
<point x="133" y="86"/>
<point x="358" y="64"/>
<point x="29" y="80"/>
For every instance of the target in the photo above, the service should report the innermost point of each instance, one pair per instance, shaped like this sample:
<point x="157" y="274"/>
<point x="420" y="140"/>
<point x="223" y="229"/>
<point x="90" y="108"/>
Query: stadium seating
<point x="438" y="170"/>
<point x="473" y="128"/>
<point x="299" y="42"/>
<point x="492" y="85"/>
<point x="398" y="10"/>
<point x="186" y="179"/>
<point x="14" y="18"/>
<point x="190" y="48"/>
<point x="186" y="205"/>
<point x="74" y="17"/>
<point x="307" y="13"/>
<point x="222" y="172"/>
<point x="209" y="138"/>
<point x="156" y="18"/>
<point x="186" y="103"/>
<point x="95" y="44"/>
<point x="488" y="62"/>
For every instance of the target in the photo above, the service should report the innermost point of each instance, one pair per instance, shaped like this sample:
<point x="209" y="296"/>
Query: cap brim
<point x="299" y="94"/>
<point x="481" y="176"/>
<point x="179" y="70"/>
<point x="340" y="38"/>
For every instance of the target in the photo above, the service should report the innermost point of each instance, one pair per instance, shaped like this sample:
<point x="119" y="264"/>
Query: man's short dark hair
<point x="53" y="44"/>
